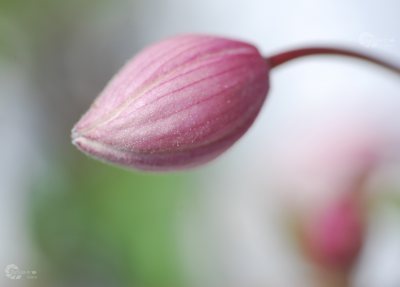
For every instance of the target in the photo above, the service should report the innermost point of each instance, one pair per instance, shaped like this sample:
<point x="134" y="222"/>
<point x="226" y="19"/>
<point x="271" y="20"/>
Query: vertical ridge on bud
<point x="176" y="104"/>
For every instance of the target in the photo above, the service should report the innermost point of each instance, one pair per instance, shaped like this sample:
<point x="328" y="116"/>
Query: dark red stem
<point x="284" y="57"/>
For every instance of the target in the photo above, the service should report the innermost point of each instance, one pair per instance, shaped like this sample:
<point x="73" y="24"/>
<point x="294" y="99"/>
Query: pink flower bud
<point x="177" y="104"/>
<point x="336" y="236"/>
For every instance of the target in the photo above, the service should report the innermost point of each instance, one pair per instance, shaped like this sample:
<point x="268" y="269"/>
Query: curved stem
<point x="281" y="58"/>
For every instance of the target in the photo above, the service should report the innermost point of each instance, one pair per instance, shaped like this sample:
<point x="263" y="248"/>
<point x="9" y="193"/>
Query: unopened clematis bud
<point x="336" y="236"/>
<point x="177" y="104"/>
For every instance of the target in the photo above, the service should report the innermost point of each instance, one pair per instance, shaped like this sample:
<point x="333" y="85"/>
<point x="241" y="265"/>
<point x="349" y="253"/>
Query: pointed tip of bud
<point x="177" y="104"/>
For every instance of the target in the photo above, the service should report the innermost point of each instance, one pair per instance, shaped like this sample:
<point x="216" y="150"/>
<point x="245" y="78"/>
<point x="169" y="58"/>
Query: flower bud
<point x="177" y="104"/>
<point x="336" y="236"/>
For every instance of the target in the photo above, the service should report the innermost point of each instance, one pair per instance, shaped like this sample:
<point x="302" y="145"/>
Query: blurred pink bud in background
<point x="334" y="237"/>
<point x="177" y="104"/>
